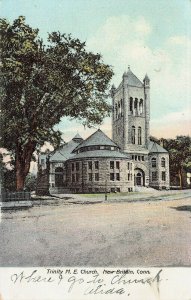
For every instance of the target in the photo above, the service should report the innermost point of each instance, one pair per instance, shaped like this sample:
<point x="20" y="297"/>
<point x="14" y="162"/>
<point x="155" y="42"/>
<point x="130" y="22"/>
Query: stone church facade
<point x="98" y="164"/>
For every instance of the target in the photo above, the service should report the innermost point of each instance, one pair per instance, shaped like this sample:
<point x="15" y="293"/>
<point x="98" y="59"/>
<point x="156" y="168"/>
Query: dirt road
<point x="101" y="234"/>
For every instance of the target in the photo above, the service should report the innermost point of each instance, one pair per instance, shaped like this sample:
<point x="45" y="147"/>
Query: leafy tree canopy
<point x="41" y="84"/>
<point x="180" y="155"/>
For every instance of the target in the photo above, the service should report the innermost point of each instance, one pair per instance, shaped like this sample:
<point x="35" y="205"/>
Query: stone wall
<point x="159" y="183"/>
<point x="142" y="165"/>
<point x="118" y="119"/>
<point x="85" y="181"/>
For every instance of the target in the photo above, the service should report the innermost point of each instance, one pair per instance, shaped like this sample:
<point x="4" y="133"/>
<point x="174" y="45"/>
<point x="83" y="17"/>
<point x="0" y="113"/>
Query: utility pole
<point x="106" y="188"/>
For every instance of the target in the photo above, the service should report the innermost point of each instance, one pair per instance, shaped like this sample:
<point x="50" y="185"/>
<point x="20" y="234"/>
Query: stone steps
<point x="144" y="189"/>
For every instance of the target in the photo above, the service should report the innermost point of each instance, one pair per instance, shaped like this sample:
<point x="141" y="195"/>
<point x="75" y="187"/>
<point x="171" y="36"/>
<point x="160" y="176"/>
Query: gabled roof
<point x="154" y="139"/>
<point x="132" y="79"/>
<point x="156" y="148"/>
<point x="65" y="151"/>
<point x="98" y="138"/>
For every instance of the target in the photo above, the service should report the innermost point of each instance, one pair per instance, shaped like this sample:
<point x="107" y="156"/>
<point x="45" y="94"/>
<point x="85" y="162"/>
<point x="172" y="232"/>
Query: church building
<point x="98" y="164"/>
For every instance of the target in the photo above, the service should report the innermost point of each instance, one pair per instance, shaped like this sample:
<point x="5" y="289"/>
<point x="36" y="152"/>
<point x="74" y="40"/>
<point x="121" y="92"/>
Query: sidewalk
<point x="126" y="197"/>
<point x="69" y="199"/>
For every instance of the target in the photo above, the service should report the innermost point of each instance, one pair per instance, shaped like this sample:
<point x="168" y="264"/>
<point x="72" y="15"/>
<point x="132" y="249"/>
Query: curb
<point x="15" y="205"/>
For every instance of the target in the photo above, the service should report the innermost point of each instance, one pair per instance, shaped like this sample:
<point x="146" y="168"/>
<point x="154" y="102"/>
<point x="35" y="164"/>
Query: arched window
<point x="116" y="112"/>
<point x="119" y="110"/>
<point x="139" y="136"/>
<point x="133" y="135"/>
<point x="136" y="105"/>
<point x="131" y="105"/>
<point x="163" y="162"/>
<point x="59" y="176"/>
<point x="154" y="162"/>
<point x="121" y="107"/>
<point x="163" y="176"/>
<point x="141" y="106"/>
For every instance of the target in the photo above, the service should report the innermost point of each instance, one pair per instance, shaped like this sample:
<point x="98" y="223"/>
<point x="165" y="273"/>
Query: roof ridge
<point x="107" y="137"/>
<point x="156" y="148"/>
<point x="85" y="140"/>
<point x="97" y="139"/>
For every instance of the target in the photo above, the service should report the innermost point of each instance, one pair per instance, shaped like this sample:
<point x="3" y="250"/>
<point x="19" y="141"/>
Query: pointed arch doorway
<point x="139" y="177"/>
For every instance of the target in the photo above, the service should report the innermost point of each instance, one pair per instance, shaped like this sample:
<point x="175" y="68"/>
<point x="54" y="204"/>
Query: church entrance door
<point x="139" y="179"/>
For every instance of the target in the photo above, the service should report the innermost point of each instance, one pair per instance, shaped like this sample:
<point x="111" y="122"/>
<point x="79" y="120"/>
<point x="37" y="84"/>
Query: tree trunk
<point x="20" y="180"/>
<point x="180" y="179"/>
<point x="23" y="159"/>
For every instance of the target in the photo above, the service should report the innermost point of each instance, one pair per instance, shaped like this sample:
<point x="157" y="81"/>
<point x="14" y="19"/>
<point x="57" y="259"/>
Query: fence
<point x="15" y="196"/>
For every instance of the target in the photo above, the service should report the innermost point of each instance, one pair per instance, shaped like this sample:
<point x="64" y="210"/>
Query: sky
<point x="151" y="36"/>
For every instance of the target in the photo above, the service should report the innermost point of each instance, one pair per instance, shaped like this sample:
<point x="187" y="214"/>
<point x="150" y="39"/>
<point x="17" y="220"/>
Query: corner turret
<point x="125" y="74"/>
<point x="146" y="81"/>
<point x="112" y="91"/>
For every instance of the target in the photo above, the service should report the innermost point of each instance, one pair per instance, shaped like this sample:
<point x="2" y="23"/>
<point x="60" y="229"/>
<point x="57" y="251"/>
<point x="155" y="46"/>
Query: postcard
<point x="95" y="150"/>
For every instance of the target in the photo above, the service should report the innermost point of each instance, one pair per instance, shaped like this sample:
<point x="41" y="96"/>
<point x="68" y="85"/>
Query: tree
<point x="30" y="182"/>
<point x="43" y="83"/>
<point x="180" y="155"/>
<point x="8" y="178"/>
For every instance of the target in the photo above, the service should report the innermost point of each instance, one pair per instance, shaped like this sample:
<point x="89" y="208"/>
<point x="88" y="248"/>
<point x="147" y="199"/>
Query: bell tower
<point x="131" y="113"/>
<point x="146" y="82"/>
